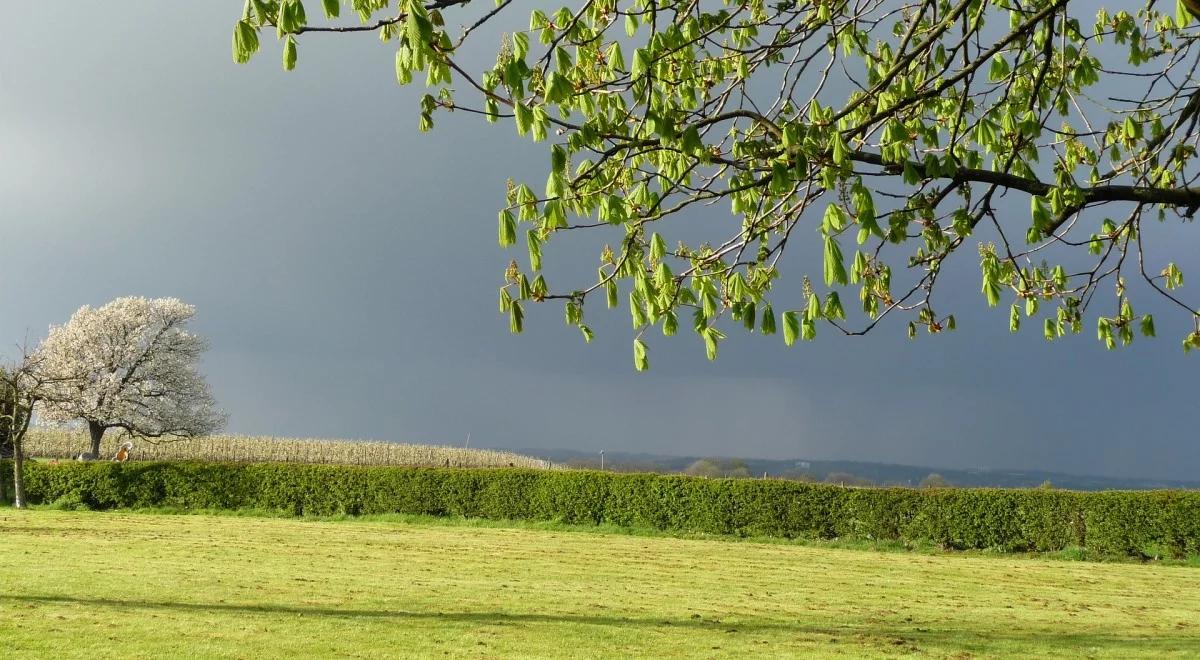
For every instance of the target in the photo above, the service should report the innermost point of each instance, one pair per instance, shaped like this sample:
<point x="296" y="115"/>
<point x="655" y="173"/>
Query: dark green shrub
<point x="1124" y="523"/>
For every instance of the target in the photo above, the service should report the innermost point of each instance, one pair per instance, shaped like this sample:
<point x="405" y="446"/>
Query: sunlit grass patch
<point x="85" y="584"/>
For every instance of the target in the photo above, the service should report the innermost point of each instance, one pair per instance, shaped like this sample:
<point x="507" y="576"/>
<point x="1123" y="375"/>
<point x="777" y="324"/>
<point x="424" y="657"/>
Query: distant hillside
<point x="876" y="473"/>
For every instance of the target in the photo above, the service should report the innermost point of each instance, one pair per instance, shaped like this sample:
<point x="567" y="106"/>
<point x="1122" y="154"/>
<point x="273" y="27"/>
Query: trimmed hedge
<point x="1113" y="522"/>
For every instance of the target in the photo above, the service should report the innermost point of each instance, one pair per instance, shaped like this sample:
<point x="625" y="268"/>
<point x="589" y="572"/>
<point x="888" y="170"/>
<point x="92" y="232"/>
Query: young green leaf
<point x="1147" y="326"/>
<point x="670" y="323"/>
<point x="711" y="336"/>
<point x="535" y="249"/>
<point x="508" y="228"/>
<point x="289" y="53"/>
<point x="245" y="41"/>
<point x="768" y="320"/>
<point x="835" y="270"/>
<point x="791" y="328"/>
<point x="516" y="318"/>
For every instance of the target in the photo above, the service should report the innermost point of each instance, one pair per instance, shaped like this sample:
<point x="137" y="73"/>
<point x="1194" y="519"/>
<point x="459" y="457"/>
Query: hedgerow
<point x="1113" y="522"/>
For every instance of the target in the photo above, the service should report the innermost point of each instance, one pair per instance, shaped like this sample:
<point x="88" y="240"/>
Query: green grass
<point x="88" y="584"/>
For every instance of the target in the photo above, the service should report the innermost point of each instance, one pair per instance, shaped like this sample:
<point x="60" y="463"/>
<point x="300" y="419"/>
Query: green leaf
<point x="1041" y="216"/>
<point x="670" y="323"/>
<point x="522" y="117"/>
<point x="690" y="141"/>
<point x="558" y="159"/>
<point x="610" y="289"/>
<point x="833" y="307"/>
<point x="572" y="312"/>
<point x="418" y="26"/>
<point x="835" y="270"/>
<point x="834" y="220"/>
<point x="562" y="60"/>
<point x="641" y="63"/>
<point x="791" y="327"/>
<point x="768" y="320"/>
<point x="711" y="336"/>
<point x="558" y="88"/>
<point x="839" y="152"/>
<point x="637" y="310"/>
<point x="640" y="362"/>
<point x="508" y="228"/>
<point x="1147" y="326"/>
<point x="332" y="8"/>
<point x="991" y="288"/>
<point x="245" y="41"/>
<point x="289" y="53"/>
<point x="516" y="318"/>
<point x="708" y="301"/>
<point x="808" y="329"/>
<point x="749" y="316"/>
<point x="1014" y="319"/>
<point x="658" y="247"/>
<point x="520" y="41"/>
<point x="535" y="249"/>
<point x="540" y="123"/>
<point x="1131" y="129"/>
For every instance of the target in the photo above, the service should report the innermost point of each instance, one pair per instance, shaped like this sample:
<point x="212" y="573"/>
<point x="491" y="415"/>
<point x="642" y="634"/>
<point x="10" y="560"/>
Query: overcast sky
<point x="344" y="268"/>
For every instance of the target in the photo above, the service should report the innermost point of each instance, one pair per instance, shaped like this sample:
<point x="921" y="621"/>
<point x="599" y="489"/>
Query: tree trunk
<point x="18" y="474"/>
<point x="97" y="432"/>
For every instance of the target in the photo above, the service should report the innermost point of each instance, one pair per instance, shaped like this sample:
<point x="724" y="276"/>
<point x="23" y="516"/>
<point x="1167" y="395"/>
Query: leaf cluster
<point x="656" y="109"/>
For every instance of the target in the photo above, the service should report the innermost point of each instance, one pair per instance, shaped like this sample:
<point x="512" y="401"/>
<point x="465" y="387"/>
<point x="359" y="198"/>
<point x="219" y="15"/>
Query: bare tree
<point x="22" y="387"/>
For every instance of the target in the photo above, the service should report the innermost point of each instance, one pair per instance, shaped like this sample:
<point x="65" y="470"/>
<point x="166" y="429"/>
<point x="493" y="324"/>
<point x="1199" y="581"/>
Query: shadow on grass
<point x="891" y="635"/>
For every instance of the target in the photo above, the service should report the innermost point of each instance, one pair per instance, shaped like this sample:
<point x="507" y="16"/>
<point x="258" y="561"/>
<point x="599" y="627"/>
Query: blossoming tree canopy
<point x="886" y="131"/>
<point x="129" y="365"/>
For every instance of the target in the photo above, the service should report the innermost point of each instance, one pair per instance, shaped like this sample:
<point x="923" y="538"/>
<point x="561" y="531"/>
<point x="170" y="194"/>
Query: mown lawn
<point x="90" y="584"/>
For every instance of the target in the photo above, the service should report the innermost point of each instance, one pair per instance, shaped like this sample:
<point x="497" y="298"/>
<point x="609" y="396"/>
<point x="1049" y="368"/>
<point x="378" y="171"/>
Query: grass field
<point x="89" y="584"/>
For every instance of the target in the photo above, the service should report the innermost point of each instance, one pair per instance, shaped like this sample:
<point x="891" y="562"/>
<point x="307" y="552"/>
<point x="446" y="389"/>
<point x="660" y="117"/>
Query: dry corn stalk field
<point x="54" y="443"/>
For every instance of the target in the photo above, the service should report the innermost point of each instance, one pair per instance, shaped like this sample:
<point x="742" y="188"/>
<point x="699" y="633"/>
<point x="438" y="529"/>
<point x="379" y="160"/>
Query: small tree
<point x="703" y="468"/>
<point x="847" y="479"/>
<point x="131" y="365"/>
<point x="6" y="430"/>
<point x="935" y="480"/>
<point x="22" y="386"/>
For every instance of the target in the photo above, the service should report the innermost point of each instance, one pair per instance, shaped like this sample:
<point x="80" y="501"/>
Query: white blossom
<point x="130" y="365"/>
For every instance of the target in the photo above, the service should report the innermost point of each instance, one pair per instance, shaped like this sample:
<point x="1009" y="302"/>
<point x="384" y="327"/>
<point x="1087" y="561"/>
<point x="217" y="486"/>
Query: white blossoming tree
<point x="129" y="365"/>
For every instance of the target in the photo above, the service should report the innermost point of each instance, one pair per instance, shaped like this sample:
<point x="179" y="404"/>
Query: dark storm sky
<point x="344" y="268"/>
